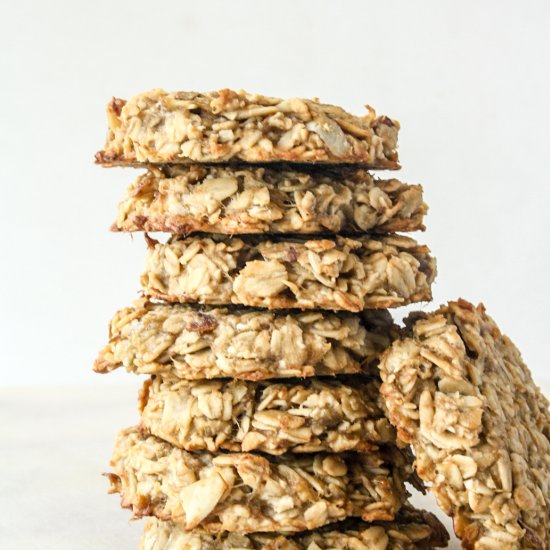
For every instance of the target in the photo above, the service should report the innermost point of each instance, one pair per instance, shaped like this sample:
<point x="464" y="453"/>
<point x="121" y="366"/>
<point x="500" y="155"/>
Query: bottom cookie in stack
<point x="293" y="501"/>
<point x="411" y="529"/>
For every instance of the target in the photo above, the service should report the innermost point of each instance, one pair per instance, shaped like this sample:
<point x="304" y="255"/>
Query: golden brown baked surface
<point x="458" y="390"/>
<point x="160" y="127"/>
<point x="245" y="199"/>
<point x="337" y="274"/>
<point x="412" y="529"/>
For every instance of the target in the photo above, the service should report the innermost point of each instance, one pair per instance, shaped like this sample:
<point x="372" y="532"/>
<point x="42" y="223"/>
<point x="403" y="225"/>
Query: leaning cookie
<point x="241" y="492"/>
<point x="202" y="343"/>
<point x="299" y="416"/>
<point x="458" y="391"/>
<point x="411" y="529"/>
<point x="337" y="274"/>
<point x="159" y="127"/>
<point x="245" y="199"/>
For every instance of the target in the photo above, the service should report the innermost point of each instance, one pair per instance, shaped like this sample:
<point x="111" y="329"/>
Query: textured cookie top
<point x="458" y="390"/>
<point x="196" y="343"/>
<point x="336" y="274"/>
<point x="242" y="492"/>
<point x="239" y="200"/>
<point x="222" y="126"/>
<point x="411" y="529"/>
<point x="299" y="416"/>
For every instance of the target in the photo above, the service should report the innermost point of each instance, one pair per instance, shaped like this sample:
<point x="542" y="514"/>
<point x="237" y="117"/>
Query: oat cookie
<point x="338" y="274"/>
<point x="458" y="390"/>
<point x="412" y="529"/>
<point x="295" y="416"/>
<point x="191" y="343"/>
<point x="249" y="492"/>
<point x="181" y="127"/>
<point x="238" y="200"/>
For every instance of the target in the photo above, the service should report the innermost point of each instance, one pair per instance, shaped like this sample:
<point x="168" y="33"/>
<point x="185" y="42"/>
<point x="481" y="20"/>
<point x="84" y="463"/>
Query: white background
<point x="468" y="80"/>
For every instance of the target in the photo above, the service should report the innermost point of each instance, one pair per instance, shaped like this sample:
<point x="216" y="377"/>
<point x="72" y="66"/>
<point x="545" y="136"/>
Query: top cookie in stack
<point x="294" y="174"/>
<point x="226" y="126"/>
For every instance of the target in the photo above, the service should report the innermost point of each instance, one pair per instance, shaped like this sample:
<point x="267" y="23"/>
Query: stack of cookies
<point x="282" y="398"/>
<point x="262" y="323"/>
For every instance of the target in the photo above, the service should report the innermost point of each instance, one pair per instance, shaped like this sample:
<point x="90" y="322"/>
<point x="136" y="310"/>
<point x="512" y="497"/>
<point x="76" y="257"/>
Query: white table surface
<point x="55" y="443"/>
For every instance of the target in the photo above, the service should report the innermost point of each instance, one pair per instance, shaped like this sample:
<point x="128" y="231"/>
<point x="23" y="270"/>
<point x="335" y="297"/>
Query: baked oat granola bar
<point x="237" y="200"/>
<point x="340" y="274"/>
<point x="181" y="127"/>
<point x="249" y="493"/>
<point x="458" y="390"/>
<point x="186" y="342"/>
<point x="412" y="529"/>
<point x="295" y="416"/>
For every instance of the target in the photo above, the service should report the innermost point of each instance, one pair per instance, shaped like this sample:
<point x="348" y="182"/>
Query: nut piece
<point x="200" y="498"/>
<point x="274" y="418"/>
<point x="158" y="127"/>
<point x="244" y="200"/>
<point x="182" y="341"/>
<point x="411" y="530"/>
<point x="249" y="493"/>
<point x="340" y="274"/>
<point x="459" y="392"/>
